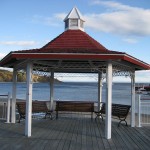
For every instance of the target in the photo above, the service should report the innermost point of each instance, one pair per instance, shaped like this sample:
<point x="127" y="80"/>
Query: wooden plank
<point x="101" y="128"/>
<point x="129" y="143"/>
<point x="98" y="135"/>
<point x="63" y="124"/>
<point x="68" y="134"/>
<point x="79" y="134"/>
<point x="72" y="132"/>
<point x="73" y="144"/>
<point x="83" y="138"/>
<point x="64" y="130"/>
<point x="138" y="138"/>
<point x="119" y="143"/>
<point x="93" y="135"/>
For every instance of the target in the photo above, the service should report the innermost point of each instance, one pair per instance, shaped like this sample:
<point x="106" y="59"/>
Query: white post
<point x="8" y="108"/>
<point x="28" y="121"/>
<point x="108" y="101"/>
<point x="99" y="89"/>
<point x="51" y="89"/>
<point x="133" y="99"/>
<point x="139" y="111"/>
<point x="13" y="102"/>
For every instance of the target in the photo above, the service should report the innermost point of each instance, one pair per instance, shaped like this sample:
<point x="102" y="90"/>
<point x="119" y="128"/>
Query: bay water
<point x="78" y="91"/>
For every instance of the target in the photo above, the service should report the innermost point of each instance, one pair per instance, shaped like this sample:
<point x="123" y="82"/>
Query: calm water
<point x="71" y="91"/>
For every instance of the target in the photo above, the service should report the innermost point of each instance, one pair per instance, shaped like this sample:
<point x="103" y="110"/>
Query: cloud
<point x="120" y="19"/>
<point x="143" y="76"/>
<point x="130" y="40"/>
<point x="50" y="21"/>
<point x="18" y="43"/>
<point x="2" y="55"/>
<point x="60" y="16"/>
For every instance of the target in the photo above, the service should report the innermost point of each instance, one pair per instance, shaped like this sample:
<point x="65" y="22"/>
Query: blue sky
<point x="120" y="25"/>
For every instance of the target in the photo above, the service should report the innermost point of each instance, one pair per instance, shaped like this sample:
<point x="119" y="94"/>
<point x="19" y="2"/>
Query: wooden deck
<point x="72" y="132"/>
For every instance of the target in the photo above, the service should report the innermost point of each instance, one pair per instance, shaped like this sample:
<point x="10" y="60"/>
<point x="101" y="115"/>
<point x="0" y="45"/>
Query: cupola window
<point x="73" y="22"/>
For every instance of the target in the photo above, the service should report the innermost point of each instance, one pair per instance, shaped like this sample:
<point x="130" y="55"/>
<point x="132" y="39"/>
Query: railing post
<point x="139" y="110"/>
<point x="51" y="89"/>
<point x="13" y="101"/>
<point x="133" y="99"/>
<point x="8" y="108"/>
<point x="99" y="89"/>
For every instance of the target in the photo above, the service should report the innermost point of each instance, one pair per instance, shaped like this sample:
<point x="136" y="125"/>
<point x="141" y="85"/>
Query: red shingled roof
<point x="71" y="41"/>
<point x="75" y="39"/>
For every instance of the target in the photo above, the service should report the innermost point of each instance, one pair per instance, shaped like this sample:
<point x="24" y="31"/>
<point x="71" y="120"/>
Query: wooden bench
<point x="74" y="106"/>
<point x="119" y="111"/>
<point x="37" y="107"/>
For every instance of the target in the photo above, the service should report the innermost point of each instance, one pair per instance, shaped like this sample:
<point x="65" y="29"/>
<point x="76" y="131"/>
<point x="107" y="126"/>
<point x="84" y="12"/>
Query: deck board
<point x="73" y="132"/>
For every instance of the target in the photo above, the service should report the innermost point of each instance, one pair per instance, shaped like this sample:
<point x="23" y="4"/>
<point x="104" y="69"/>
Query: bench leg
<point x="56" y="114"/>
<point x="91" y="115"/>
<point x="49" y="113"/>
<point x="121" y="121"/>
<point x="98" y="115"/>
<point x="20" y="117"/>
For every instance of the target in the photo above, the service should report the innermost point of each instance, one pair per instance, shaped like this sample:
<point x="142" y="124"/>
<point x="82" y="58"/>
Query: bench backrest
<point x="39" y="107"/>
<point x="119" y="110"/>
<point x="36" y="107"/>
<point x="74" y="106"/>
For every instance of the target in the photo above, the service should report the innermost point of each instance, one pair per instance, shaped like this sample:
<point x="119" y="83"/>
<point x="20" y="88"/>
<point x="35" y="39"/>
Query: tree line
<point x="7" y="76"/>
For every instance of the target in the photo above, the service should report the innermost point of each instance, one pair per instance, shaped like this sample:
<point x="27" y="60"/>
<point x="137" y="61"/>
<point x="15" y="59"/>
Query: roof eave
<point x="73" y="56"/>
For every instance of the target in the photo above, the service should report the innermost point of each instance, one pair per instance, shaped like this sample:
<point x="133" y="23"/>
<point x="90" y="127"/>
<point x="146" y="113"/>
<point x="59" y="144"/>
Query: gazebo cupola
<point x="74" y="20"/>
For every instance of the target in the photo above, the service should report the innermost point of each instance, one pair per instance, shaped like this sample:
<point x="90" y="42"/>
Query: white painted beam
<point x="8" y="108"/>
<point x="28" y="121"/>
<point x="108" y="101"/>
<point x="139" y="110"/>
<point x="51" y="89"/>
<point x="99" y="89"/>
<point x="13" y="102"/>
<point x="133" y="100"/>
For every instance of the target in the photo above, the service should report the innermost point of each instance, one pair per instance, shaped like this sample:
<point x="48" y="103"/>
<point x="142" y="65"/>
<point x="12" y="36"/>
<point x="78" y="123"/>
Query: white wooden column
<point x="8" y="108"/>
<point x="99" y="89"/>
<point x="28" y="121"/>
<point x="51" y="89"/>
<point x="133" y="99"/>
<point x="108" y="101"/>
<point x="13" y="102"/>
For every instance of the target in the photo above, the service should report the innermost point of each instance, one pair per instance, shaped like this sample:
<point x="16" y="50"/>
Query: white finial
<point x="74" y="20"/>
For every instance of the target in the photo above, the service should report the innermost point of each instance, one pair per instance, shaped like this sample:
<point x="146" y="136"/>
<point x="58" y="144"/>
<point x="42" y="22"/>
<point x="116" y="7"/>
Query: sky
<point x="119" y="25"/>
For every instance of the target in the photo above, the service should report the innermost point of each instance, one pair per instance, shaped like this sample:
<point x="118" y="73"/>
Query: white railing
<point x="5" y="107"/>
<point x="143" y="111"/>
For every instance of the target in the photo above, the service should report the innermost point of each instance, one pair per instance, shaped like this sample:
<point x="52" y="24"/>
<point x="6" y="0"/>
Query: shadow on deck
<point x="77" y="132"/>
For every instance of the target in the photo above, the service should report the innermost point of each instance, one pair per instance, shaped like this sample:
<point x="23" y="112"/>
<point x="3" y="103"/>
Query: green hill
<point x="6" y="76"/>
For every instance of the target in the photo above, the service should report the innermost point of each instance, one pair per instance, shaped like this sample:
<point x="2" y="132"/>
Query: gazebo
<point x="73" y="51"/>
